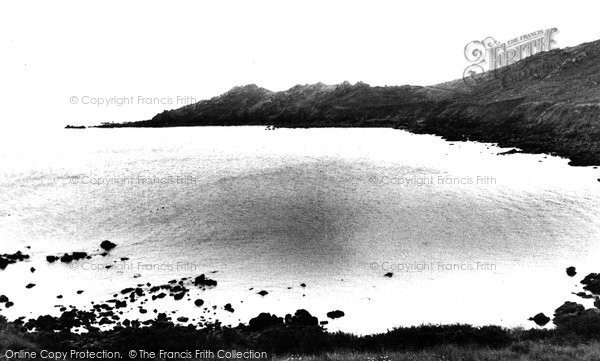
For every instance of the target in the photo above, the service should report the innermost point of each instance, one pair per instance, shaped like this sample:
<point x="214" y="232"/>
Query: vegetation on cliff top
<point x="549" y="103"/>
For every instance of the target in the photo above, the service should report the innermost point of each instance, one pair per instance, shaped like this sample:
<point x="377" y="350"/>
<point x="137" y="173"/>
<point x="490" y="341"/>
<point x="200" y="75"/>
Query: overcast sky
<point x="53" y="51"/>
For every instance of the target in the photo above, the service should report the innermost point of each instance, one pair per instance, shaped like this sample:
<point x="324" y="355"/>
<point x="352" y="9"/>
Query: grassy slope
<point x="518" y="352"/>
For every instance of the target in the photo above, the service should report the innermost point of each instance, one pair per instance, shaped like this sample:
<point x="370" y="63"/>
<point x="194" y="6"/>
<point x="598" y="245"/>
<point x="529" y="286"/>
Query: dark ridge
<point x="547" y="103"/>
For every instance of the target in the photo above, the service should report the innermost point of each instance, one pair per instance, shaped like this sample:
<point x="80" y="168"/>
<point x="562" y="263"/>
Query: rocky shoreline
<point x="107" y="325"/>
<point x="548" y="103"/>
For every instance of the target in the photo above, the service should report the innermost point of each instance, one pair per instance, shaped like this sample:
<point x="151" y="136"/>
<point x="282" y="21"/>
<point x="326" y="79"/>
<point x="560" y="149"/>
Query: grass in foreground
<point x="524" y="351"/>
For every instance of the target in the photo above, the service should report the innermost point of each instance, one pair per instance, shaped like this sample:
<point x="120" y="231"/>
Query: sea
<point x="392" y="228"/>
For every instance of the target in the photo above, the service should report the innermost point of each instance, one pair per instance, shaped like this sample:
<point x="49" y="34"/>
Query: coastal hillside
<point x="547" y="103"/>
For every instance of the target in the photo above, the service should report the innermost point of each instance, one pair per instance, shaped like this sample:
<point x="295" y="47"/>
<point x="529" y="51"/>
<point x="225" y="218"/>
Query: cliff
<point x="547" y="103"/>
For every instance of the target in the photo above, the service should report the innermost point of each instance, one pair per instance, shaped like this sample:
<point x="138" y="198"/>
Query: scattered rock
<point x="302" y="318"/>
<point x="264" y="321"/>
<point x="202" y="280"/>
<point x="229" y="308"/>
<point x="540" y="319"/>
<point x="32" y="269"/>
<point x="583" y="295"/>
<point x="107" y="245"/>
<point x="6" y="259"/>
<point x="3" y="299"/>
<point x="571" y="271"/>
<point x="263" y="293"/>
<point x="199" y="302"/>
<point x="335" y="314"/>
<point x="592" y="283"/>
<point x="30" y="285"/>
<point x="66" y="258"/>
<point x="389" y="274"/>
<point x="567" y="312"/>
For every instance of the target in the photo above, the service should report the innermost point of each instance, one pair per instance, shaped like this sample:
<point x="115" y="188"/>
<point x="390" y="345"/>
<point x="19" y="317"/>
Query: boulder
<point x="540" y="319"/>
<point x="264" y="321"/>
<point x="107" y="245"/>
<point x="203" y="281"/>
<point x="567" y="312"/>
<point x="302" y="318"/>
<point x="335" y="314"/>
<point x="592" y="283"/>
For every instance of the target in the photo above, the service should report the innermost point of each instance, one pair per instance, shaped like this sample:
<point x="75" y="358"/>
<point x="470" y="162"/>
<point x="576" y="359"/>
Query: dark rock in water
<point x="30" y="285"/>
<point x="389" y="274"/>
<point x="127" y="290"/>
<point x="124" y="258"/>
<point x="323" y="323"/>
<point x="182" y="319"/>
<point x="79" y="292"/>
<point x="59" y="296"/>
<point x="202" y="280"/>
<point x="79" y="255"/>
<point x="508" y="152"/>
<point x="567" y="312"/>
<point x="301" y="318"/>
<point x="142" y="311"/>
<point x="6" y="259"/>
<point x="9" y="304"/>
<point x="335" y="314"/>
<point x="178" y="296"/>
<point x="571" y="271"/>
<point x="263" y="293"/>
<point x="303" y="285"/>
<point x="32" y="269"/>
<point x="199" y="302"/>
<point x="66" y="258"/>
<point x="107" y="245"/>
<point x="592" y="283"/>
<point x="3" y="299"/>
<point x="583" y="295"/>
<point x="229" y="308"/>
<point x="51" y="259"/>
<point x="540" y="319"/>
<point x="264" y="321"/>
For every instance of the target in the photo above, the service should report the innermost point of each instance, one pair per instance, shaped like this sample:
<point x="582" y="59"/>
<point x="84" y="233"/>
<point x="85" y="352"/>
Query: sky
<point x="60" y="59"/>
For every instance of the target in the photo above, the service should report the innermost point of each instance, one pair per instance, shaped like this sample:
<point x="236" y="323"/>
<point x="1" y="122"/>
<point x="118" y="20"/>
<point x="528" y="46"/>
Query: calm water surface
<point x="470" y="236"/>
